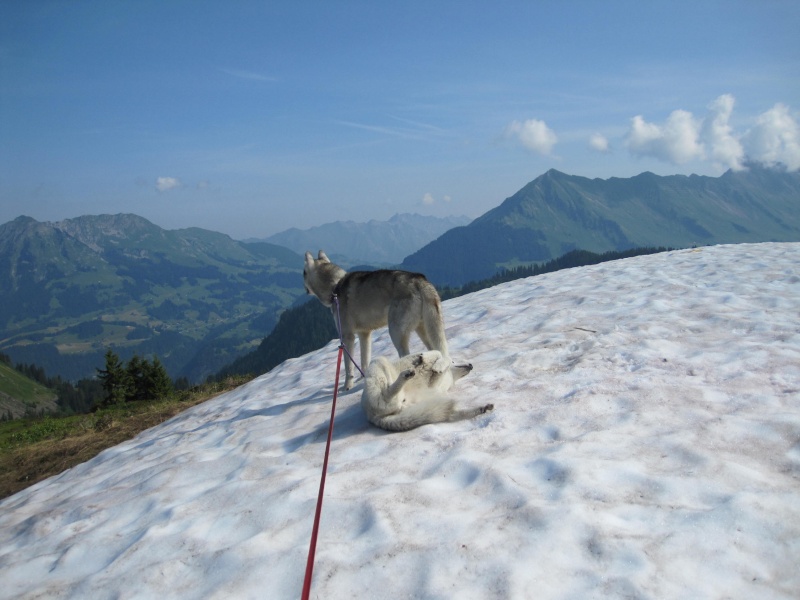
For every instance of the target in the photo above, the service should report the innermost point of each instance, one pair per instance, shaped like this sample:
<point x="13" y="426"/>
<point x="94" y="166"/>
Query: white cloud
<point x="724" y="147"/>
<point x="775" y="138"/>
<point x="677" y="141"/>
<point x="428" y="199"/>
<point x="533" y="134"/>
<point x="164" y="184"/>
<point x="599" y="142"/>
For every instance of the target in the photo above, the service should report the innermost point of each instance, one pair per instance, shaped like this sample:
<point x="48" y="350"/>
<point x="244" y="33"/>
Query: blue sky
<point x="252" y="117"/>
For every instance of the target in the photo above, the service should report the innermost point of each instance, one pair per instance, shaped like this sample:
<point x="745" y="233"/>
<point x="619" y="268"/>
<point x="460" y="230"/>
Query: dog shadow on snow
<point x="318" y="397"/>
<point x="350" y="418"/>
<point x="321" y="396"/>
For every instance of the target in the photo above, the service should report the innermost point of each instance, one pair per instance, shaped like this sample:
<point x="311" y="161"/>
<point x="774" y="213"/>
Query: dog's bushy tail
<point x="434" y="409"/>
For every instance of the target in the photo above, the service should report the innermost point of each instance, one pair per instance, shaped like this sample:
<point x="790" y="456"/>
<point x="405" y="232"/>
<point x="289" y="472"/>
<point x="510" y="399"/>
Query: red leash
<point x="313" y="546"/>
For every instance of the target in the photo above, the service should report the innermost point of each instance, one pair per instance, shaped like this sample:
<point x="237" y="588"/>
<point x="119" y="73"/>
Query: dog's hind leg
<point x="365" y="344"/>
<point x="403" y="318"/>
<point x="422" y="332"/>
<point x="400" y="338"/>
<point x="349" y="340"/>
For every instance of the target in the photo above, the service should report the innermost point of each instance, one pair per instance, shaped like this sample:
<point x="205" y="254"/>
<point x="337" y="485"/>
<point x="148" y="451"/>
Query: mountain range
<point x="373" y="242"/>
<point x="199" y="299"/>
<point x="556" y="213"/>
<point x="195" y="298"/>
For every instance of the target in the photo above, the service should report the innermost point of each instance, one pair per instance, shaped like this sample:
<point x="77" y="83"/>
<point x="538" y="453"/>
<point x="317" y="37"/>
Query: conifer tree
<point x="136" y="379"/>
<point x="157" y="383"/>
<point x="114" y="379"/>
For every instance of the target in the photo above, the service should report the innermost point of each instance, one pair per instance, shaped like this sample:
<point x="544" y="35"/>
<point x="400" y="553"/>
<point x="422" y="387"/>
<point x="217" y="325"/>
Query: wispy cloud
<point x="420" y="126"/>
<point x="251" y="75"/>
<point x="396" y="132"/>
<point x="414" y="130"/>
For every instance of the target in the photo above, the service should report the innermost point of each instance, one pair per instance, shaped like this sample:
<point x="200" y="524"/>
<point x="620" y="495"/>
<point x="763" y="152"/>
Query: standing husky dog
<point x="410" y="392"/>
<point x="371" y="299"/>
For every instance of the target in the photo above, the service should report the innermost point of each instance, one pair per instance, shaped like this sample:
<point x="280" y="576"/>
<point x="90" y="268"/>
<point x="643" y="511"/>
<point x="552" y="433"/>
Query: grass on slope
<point x="34" y="449"/>
<point x="19" y="394"/>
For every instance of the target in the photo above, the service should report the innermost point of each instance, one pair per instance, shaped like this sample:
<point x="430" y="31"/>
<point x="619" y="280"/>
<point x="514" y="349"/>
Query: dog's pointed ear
<point x="309" y="260"/>
<point x="323" y="257"/>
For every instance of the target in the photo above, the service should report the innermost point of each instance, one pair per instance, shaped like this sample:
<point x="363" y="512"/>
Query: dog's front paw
<point x="348" y="384"/>
<point x="408" y="374"/>
<point x="487" y="408"/>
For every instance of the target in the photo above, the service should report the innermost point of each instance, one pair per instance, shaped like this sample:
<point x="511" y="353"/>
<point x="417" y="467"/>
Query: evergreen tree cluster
<point x="139" y="379"/>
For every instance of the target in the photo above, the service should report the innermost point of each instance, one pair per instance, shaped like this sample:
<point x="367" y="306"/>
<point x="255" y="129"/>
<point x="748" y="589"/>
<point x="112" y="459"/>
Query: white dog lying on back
<point x="410" y="392"/>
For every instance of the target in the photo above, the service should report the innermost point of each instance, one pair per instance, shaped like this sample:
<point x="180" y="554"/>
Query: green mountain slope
<point x="20" y="396"/>
<point x="196" y="298"/>
<point x="557" y="213"/>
